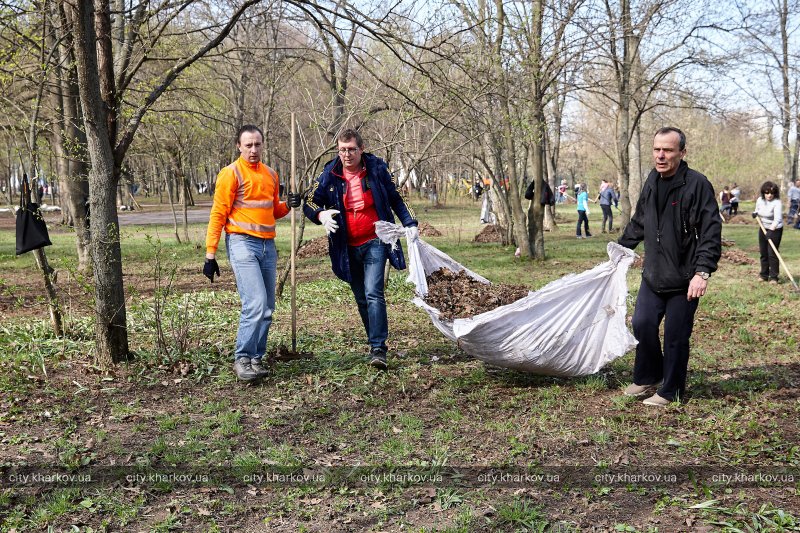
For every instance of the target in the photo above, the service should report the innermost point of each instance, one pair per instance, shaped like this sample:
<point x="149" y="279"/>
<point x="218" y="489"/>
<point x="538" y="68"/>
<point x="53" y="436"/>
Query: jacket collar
<point x="244" y="163"/>
<point x="677" y="180"/>
<point x="336" y="167"/>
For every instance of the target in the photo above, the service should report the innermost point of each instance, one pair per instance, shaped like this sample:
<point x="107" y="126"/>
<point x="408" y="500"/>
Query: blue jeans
<point x="366" y="271"/>
<point x="254" y="263"/>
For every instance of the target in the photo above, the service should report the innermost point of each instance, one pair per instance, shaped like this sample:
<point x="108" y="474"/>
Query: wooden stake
<point x="293" y="189"/>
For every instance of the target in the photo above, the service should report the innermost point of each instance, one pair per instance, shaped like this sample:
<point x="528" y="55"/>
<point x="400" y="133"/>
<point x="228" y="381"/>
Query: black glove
<point x="294" y="199"/>
<point x="210" y="268"/>
<point x="754" y="214"/>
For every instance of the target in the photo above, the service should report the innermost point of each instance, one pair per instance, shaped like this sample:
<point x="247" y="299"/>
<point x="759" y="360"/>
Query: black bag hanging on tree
<point x="31" y="228"/>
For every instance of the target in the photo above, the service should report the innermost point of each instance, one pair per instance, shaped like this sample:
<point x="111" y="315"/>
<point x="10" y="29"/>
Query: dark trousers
<point x="582" y="218"/>
<point x="607" y="215"/>
<point x="670" y="365"/>
<point x="734" y="208"/>
<point x="769" y="259"/>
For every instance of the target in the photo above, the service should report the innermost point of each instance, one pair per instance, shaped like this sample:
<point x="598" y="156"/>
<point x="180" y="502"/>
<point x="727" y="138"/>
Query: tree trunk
<point x="50" y="289"/>
<point x="786" y="111"/>
<point x="624" y="112"/>
<point x="636" y="181"/>
<point x="535" y="210"/>
<point x="168" y="187"/>
<point x="111" y="332"/>
<point x="535" y="233"/>
<point x="181" y="186"/>
<point x="551" y="156"/>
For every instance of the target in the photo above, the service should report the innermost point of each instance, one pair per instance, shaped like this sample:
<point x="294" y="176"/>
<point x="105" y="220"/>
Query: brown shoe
<point x="638" y="390"/>
<point x="657" y="401"/>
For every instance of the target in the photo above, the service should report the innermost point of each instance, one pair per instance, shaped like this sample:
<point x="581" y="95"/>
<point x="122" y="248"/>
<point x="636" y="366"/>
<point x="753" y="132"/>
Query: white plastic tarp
<point x="572" y="326"/>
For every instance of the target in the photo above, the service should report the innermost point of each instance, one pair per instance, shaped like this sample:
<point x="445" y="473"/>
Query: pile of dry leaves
<point x="491" y="233"/>
<point x="314" y="248"/>
<point x="742" y="219"/>
<point x="456" y="295"/>
<point x="737" y="257"/>
<point x="426" y="230"/>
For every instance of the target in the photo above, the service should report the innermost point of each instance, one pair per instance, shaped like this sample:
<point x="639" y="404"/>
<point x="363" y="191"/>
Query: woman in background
<point x="770" y="212"/>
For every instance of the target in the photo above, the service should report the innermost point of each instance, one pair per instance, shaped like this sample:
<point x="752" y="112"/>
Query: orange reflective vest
<point x="245" y="201"/>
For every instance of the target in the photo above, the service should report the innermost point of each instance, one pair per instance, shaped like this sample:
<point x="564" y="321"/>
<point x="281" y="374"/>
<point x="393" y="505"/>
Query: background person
<point x="725" y="201"/>
<point x="794" y="204"/>
<point x="583" y="212"/>
<point x="246" y="204"/>
<point x="354" y="191"/>
<point x="770" y="211"/>
<point x="683" y="247"/>
<point x="562" y="192"/>
<point x="736" y="194"/>
<point x="606" y="198"/>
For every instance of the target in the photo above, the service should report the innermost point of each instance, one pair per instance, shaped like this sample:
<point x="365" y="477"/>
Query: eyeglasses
<point x="348" y="151"/>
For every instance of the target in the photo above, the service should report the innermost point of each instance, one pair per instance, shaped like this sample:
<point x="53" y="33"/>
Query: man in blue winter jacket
<point x="677" y="218"/>
<point x="354" y="191"/>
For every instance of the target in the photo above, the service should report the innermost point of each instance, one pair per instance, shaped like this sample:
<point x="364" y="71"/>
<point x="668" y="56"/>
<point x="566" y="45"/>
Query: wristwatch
<point x="704" y="275"/>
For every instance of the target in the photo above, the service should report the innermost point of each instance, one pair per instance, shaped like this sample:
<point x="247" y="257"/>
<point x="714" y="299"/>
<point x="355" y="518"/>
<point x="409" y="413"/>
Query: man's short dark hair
<point x="248" y="128"/>
<point x="350" y="134"/>
<point x="670" y="129"/>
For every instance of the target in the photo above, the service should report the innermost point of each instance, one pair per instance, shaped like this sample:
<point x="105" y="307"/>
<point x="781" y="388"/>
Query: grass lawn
<point x="440" y="442"/>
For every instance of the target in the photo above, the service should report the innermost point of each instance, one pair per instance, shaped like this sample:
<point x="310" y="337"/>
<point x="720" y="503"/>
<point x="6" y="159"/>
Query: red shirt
<point x="360" y="212"/>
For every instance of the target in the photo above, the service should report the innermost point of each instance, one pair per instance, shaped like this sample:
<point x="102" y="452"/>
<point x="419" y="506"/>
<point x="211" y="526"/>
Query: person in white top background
<point x="770" y="211"/>
<point x="794" y="205"/>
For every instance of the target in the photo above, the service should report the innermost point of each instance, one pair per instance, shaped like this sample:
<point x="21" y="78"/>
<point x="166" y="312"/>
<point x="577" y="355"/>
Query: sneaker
<point x="774" y="281"/>
<point x="638" y="390"/>
<point x="588" y="235"/>
<point x="578" y="237"/>
<point x="656" y="401"/>
<point x="259" y="368"/>
<point x="243" y="369"/>
<point x="377" y="358"/>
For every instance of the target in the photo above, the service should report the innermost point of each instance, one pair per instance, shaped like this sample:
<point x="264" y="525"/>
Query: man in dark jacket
<point x="678" y="220"/>
<point x="354" y="191"/>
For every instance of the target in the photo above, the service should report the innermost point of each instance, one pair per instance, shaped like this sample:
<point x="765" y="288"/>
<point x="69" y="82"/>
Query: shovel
<point x="774" y="249"/>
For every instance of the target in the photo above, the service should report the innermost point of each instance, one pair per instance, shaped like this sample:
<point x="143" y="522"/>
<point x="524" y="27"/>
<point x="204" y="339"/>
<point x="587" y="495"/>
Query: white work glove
<point x="326" y="218"/>
<point x="412" y="233"/>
